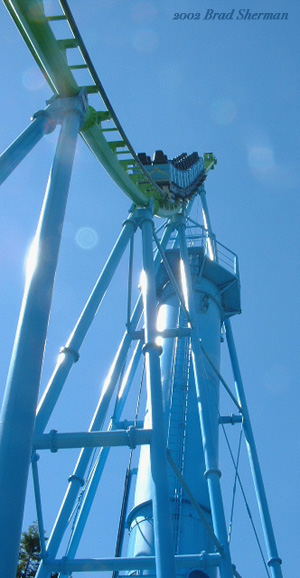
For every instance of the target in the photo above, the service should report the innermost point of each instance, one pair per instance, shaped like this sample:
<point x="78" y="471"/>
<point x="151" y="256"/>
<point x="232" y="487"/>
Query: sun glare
<point x="31" y="258"/>
<point x="143" y="282"/>
<point x="208" y="239"/>
<point x="183" y="283"/>
<point x="161" y="322"/>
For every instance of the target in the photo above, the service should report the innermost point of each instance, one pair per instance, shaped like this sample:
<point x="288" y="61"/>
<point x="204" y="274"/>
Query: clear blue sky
<point x="227" y="86"/>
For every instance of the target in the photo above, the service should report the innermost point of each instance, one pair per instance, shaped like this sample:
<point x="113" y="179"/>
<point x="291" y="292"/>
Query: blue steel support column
<point x="90" y="492"/>
<point x="42" y="123"/>
<point x="70" y="352"/>
<point x="207" y="224"/>
<point x="38" y="501"/>
<point x="165" y="565"/>
<point x="205" y="213"/>
<point x="204" y="400"/>
<point x="20" y="399"/>
<point x="274" y="561"/>
<point x="77" y="478"/>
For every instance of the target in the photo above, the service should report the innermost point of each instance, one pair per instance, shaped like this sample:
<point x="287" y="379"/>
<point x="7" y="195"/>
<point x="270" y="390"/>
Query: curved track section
<point x="56" y="45"/>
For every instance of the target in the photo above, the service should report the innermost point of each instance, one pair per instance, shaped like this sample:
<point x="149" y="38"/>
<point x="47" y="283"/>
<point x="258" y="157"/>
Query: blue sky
<point x="231" y="87"/>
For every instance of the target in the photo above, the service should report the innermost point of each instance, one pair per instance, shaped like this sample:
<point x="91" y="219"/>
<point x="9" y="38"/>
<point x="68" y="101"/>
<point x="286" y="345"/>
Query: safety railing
<point x="198" y="236"/>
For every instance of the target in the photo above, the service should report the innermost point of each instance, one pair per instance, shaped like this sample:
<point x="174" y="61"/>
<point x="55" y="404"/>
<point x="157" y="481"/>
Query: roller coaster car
<point x="181" y="176"/>
<point x="159" y="158"/>
<point x="145" y="159"/>
<point x="158" y="168"/>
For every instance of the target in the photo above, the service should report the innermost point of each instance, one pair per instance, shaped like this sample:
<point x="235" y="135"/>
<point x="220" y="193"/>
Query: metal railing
<point x="198" y="236"/>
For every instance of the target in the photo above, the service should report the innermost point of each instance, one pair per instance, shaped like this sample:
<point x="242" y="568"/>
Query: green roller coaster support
<point x="210" y="161"/>
<point x="51" y="55"/>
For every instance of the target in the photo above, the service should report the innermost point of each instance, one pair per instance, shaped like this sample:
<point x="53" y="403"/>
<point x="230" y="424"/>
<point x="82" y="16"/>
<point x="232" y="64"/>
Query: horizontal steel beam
<point x="232" y="419"/>
<point x="66" y="566"/>
<point x="165" y="334"/>
<point x="54" y="441"/>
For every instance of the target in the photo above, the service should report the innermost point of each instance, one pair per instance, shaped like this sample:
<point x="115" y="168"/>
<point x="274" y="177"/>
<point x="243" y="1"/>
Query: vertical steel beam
<point x="205" y="212"/>
<point x="207" y="224"/>
<point x="90" y="492"/>
<point x="38" y="502"/>
<point x="77" y="478"/>
<point x="165" y="565"/>
<point x="20" y="398"/>
<point x="70" y="352"/>
<point x="212" y="473"/>
<point x="274" y="561"/>
<point x="41" y="124"/>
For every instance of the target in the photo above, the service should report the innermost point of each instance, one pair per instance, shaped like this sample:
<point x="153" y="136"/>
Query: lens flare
<point x="86" y="238"/>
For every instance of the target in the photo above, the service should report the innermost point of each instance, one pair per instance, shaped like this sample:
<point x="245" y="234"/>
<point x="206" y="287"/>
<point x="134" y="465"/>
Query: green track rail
<point x="61" y="60"/>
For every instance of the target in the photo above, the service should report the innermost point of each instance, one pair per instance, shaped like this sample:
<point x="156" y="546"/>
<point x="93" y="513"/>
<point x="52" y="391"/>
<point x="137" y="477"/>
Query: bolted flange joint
<point x="130" y="432"/>
<point x="50" y="122"/>
<point x="63" y="567"/>
<point x="152" y="347"/>
<point x="145" y="213"/>
<point x="212" y="472"/>
<point x="53" y="445"/>
<point x="74" y="478"/>
<point x="131" y="221"/>
<point x="274" y="560"/>
<point x="71" y="351"/>
<point x="57" y="108"/>
<point x="179" y="220"/>
<point x="35" y="457"/>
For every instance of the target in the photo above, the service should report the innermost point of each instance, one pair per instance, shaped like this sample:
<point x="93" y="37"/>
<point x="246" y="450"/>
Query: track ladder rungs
<point x="56" y="18"/>
<point x="114" y="145"/>
<point x="78" y="66"/>
<point x="92" y="89"/>
<point x="66" y="43"/>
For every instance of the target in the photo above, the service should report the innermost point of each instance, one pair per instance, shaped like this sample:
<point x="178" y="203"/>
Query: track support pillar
<point x="17" y="416"/>
<point x="165" y="565"/>
<point x="274" y="560"/>
<point x="212" y="473"/>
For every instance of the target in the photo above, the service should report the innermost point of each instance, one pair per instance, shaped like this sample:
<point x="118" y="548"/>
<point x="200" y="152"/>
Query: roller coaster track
<point x="102" y="131"/>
